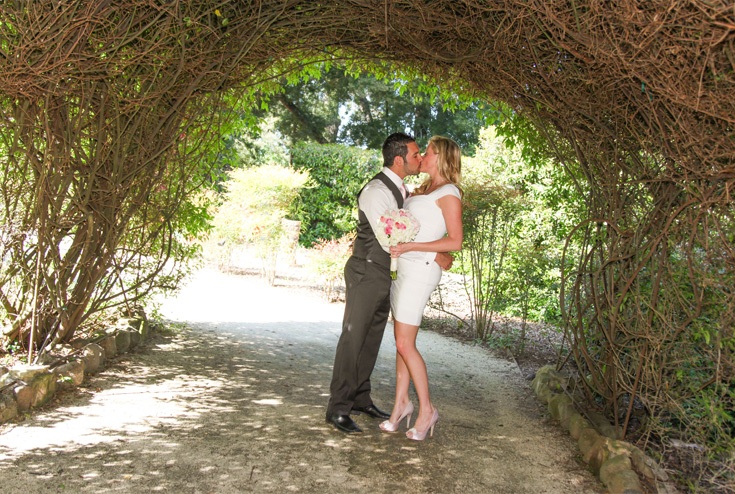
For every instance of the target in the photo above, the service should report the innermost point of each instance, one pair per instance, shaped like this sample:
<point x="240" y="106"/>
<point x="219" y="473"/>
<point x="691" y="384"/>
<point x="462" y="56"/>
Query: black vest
<point x="366" y="245"/>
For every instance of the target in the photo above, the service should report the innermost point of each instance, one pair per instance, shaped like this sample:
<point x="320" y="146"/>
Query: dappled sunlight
<point x="268" y="402"/>
<point x="344" y="444"/>
<point x="261" y="401"/>
<point x="175" y="398"/>
<point x="111" y="414"/>
<point x="239" y="407"/>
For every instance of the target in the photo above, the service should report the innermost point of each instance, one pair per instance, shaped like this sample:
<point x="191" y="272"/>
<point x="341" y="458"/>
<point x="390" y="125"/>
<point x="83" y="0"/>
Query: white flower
<point x="396" y="226"/>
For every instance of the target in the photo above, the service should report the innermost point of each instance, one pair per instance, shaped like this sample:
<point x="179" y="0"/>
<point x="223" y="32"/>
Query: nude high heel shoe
<point x="418" y="435"/>
<point x="388" y="426"/>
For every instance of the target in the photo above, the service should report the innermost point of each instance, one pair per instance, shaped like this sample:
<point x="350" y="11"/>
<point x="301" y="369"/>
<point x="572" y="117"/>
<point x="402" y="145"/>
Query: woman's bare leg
<point x="414" y="362"/>
<point x="403" y="380"/>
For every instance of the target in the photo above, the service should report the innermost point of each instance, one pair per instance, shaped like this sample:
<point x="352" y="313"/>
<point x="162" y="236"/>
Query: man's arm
<point x="374" y="201"/>
<point x="444" y="260"/>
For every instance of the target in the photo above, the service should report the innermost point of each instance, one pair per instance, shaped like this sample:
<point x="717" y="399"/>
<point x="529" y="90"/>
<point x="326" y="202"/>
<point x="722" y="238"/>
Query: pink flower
<point x="396" y="226"/>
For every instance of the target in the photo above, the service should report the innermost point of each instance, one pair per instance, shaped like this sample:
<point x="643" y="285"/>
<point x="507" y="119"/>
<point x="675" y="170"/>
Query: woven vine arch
<point x="636" y="99"/>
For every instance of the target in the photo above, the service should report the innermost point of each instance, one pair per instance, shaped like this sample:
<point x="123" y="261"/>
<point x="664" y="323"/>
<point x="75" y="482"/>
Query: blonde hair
<point x="448" y="163"/>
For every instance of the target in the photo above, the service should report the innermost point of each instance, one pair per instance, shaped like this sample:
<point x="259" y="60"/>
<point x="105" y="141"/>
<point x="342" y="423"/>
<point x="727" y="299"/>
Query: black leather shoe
<point x="344" y="423"/>
<point x="372" y="411"/>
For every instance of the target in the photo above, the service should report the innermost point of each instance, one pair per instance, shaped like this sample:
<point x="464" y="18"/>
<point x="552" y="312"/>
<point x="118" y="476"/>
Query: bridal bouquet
<point x="396" y="226"/>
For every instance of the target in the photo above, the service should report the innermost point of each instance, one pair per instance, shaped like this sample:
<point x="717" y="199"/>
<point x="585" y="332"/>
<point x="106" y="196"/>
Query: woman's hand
<point x="399" y="249"/>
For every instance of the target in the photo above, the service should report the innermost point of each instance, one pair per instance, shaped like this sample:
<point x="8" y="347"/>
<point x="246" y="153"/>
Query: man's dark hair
<point x="396" y="145"/>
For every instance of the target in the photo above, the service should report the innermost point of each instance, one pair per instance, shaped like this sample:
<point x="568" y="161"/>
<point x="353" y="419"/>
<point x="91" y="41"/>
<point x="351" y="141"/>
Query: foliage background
<point x="337" y="173"/>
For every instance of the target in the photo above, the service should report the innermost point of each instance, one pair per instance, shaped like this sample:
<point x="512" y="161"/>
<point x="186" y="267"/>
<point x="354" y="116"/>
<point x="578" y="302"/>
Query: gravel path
<point x="233" y="401"/>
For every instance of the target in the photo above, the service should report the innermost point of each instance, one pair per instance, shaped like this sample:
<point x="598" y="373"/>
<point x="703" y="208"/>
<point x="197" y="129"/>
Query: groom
<point x="367" y="281"/>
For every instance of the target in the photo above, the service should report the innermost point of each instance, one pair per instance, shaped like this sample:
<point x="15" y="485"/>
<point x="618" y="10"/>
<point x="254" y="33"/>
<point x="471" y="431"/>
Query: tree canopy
<point x="334" y="106"/>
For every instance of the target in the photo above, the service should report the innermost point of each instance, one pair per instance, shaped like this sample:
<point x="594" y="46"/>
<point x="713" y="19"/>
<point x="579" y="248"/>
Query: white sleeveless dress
<point x="417" y="277"/>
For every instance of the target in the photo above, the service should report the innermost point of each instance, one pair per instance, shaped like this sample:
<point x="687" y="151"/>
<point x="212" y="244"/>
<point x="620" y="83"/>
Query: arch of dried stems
<point x="637" y="100"/>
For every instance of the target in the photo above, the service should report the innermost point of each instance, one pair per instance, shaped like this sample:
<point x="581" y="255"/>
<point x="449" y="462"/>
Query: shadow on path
<point x="234" y="402"/>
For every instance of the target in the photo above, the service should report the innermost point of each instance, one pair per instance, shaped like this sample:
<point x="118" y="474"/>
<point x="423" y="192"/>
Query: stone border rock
<point x="617" y="463"/>
<point x="23" y="387"/>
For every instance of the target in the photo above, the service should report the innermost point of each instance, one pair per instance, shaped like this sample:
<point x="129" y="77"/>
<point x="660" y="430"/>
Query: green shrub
<point x="328" y="259"/>
<point x="328" y="203"/>
<point x="490" y="216"/>
<point x="255" y="205"/>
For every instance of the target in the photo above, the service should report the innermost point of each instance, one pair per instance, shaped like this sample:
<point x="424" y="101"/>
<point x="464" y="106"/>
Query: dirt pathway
<point x="233" y="401"/>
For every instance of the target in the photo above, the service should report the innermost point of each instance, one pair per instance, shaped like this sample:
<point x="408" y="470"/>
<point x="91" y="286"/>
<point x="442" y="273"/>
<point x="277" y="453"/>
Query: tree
<point x="256" y="202"/>
<point x="105" y="141"/>
<point x="337" y="173"/>
<point x="491" y="217"/>
<point x="333" y="105"/>
<point x="531" y="267"/>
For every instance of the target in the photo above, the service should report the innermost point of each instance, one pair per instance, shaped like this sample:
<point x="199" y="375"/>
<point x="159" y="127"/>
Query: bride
<point x="437" y="206"/>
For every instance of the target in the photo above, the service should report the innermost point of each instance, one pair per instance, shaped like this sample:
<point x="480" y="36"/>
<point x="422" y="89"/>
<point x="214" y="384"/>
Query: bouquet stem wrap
<point x="393" y="268"/>
<point x="396" y="226"/>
